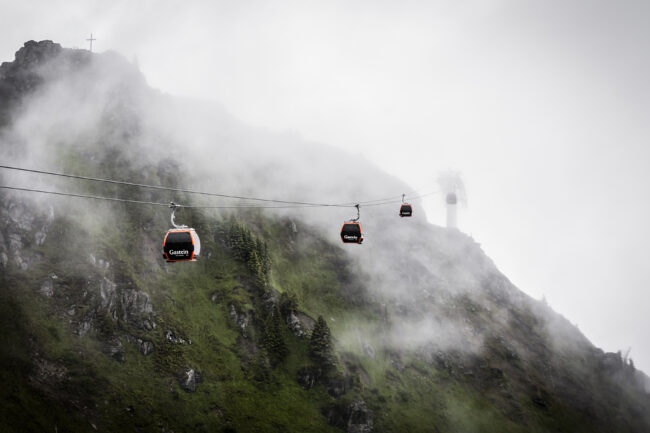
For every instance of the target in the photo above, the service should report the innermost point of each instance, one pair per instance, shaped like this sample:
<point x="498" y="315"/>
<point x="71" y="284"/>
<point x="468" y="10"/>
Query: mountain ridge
<point x="427" y="334"/>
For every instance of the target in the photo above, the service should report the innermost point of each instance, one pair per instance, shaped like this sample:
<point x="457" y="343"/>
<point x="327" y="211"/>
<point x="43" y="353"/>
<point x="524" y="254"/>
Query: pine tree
<point x="320" y="345"/>
<point x="273" y="338"/>
<point x="288" y="302"/>
<point x="266" y="259"/>
<point x="249" y="249"/>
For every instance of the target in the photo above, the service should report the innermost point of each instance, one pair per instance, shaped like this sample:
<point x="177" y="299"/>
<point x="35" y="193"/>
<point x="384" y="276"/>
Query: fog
<point x="542" y="106"/>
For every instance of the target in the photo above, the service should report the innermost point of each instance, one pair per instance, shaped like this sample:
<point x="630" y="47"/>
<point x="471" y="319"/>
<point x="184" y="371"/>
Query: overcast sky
<point x="544" y="106"/>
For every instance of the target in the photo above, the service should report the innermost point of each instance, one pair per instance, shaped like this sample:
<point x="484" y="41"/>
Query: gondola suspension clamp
<point x="354" y="220"/>
<point x="173" y="206"/>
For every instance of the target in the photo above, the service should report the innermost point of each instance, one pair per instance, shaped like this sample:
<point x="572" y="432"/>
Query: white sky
<point x="544" y="106"/>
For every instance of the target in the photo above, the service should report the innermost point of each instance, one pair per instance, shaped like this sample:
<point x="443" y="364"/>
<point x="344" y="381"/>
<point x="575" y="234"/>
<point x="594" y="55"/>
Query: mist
<point x="543" y="108"/>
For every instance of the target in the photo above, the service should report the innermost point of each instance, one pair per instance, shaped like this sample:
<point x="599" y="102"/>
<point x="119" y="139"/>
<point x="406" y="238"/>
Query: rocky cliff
<point x="277" y="327"/>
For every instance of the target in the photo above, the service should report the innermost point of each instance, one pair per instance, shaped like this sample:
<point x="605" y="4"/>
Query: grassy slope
<point x="144" y="393"/>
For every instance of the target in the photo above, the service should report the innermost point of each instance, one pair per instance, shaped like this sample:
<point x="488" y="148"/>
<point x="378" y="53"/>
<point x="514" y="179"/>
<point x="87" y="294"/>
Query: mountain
<point x="278" y="326"/>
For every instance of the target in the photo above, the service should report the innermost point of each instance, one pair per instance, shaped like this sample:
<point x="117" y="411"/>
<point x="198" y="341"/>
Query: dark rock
<point x="145" y="347"/>
<point x="360" y="418"/>
<point x="540" y="397"/>
<point x="107" y="293"/>
<point x="135" y="304"/>
<point x="240" y="319"/>
<point x="269" y="299"/>
<point x="189" y="380"/>
<point x="338" y="385"/>
<point x="353" y="418"/>
<point x="47" y="288"/>
<point x="171" y="337"/>
<point x="47" y="372"/>
<point x="396" y="361"/>
<point x="130" y="305"/>
<point x="307" y="377"/>
<point x="115" y="350"/>
<point x="294" y="325"/>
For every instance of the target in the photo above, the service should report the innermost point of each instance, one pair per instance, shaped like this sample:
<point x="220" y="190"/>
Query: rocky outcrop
<point x="360" y="418"/>
<point x="132" y="306"/>
<point x="307" y="377"/>
<point x="353" y="418"/>
<point x="240" y="319"/>
<point x="189" y="380"/>
<point x="23" y="228"/>
<point x="115" y="349"/>
<point x="145" y="347"/>
<point x="135" y="304"/>
<point x="172" y="337"/>
<point x="337" y="385"/>
<point x="299" y="323"/>
<point x="294" y="325"/>
<point x="22" y="75"/>
<point x="49" y="372"/>
<point x="47" y="288"/>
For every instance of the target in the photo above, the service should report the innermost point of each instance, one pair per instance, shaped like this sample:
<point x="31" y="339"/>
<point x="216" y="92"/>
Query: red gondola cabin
<point x="405" y="210"/>
<point x="181" y="245"/>
<point x="351" y="233"/>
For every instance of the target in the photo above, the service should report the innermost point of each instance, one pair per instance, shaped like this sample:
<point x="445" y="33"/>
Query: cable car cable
<point x="93" y="179"/>
<point x="95" y="197"/>
<point x="374" y="202"/>
<point x="400" y="201"/>
<point x="164" y="188"/>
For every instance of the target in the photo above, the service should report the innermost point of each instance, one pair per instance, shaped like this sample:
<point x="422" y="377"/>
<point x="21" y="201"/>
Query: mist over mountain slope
<point x="427" y="334"/>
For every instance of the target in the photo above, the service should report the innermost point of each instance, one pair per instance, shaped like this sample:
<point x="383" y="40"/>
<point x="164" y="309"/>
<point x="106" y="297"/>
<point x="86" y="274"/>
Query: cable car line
<point x="165" y="188"/>
<point x="182" y="243"/>
<point x="96" y="197"/>
<point x="400" y="201"/>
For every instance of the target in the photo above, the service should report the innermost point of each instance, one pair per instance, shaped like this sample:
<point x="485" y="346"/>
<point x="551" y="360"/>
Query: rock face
<point x="171" y="337"/>
<point x="47" y="288"/>
<point x="23" y="228"/>
<point x="307" y="377"/>
<point x="299" y="323"/>
<point x="145" y="347"/>
<point x="294" y="325"/>
<point x="360" y="418"/>
<point x="134" y="305"/>
<point x="130" y="305"/>
<point x="353" y="418"/>
<point x="239" y="319"/>
<point x="108" y="303"/>
<point x="22" y="75"/>
<point x="115" y="349"/>
<point x="189" y="380"/>
<point x="338" y="385"/>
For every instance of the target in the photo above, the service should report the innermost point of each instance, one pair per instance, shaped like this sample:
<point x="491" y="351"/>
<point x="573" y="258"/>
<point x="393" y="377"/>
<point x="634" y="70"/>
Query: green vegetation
<point x="320" y="346"/>
<point x="273" y="339"/>
<point x="264" y="332"/>
<point x="56" y="375"/>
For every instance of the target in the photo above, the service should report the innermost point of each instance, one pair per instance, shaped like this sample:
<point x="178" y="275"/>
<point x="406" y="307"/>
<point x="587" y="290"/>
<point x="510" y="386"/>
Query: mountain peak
<point x="33" y="53"/>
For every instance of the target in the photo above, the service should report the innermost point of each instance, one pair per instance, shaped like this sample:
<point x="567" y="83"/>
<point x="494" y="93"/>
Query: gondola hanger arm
<point x="358" y="214"/>
<point x="173" y="206"/>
